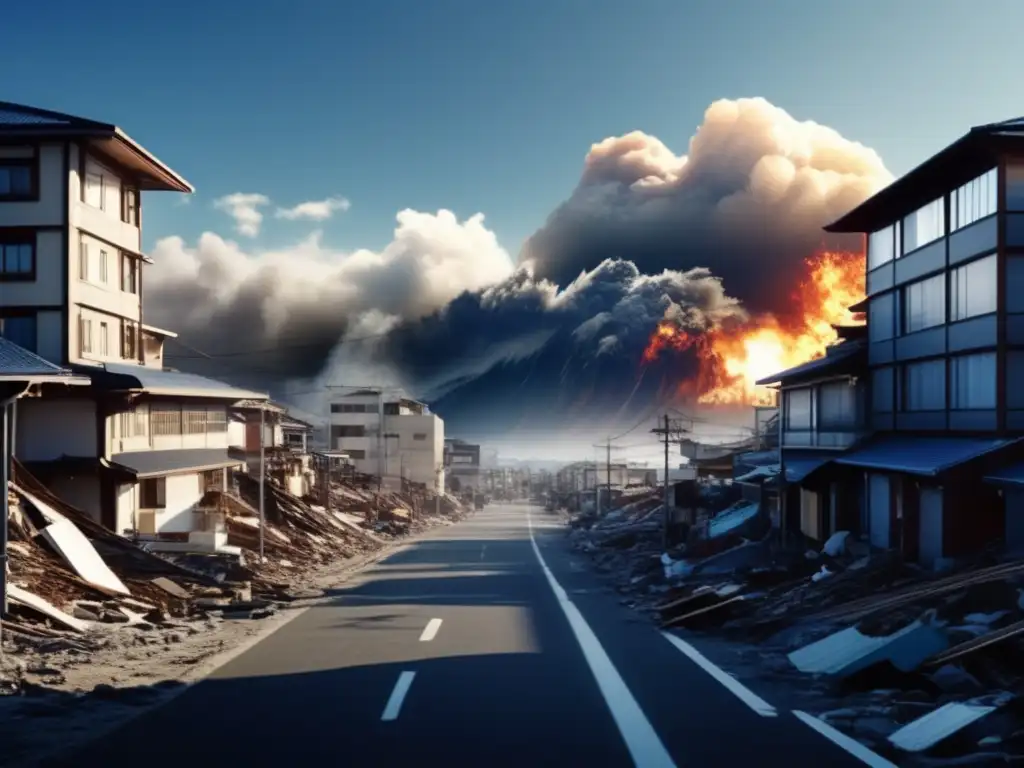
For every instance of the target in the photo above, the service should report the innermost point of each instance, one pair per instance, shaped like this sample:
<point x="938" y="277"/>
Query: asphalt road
<point x="483" y="644"/>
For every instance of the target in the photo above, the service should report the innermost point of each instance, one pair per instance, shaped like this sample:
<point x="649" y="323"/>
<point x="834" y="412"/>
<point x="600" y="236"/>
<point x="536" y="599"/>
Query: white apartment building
<point x="139" y="447"/>
<point x="393" y="437"/>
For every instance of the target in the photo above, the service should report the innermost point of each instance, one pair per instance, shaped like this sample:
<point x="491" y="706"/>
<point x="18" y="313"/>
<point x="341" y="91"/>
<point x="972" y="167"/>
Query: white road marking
<point x="430" y="632"/>
<point x="641" y="739"/>
<point x="855" y="748"/>
<point x="744" y="694"/>
<point x="394" y="705"/>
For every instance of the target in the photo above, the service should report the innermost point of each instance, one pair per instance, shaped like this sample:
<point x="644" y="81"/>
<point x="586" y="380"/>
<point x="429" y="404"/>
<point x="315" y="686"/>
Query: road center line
<point x="641" y="739"/>
<point x="840" y="739"/>
<point x="741" y="692"/>
<point x="430" y="632"/>
<point x="394" y="705"/>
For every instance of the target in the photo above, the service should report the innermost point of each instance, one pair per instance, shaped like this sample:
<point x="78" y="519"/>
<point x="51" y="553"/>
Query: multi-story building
<point x="823" y="413"/>
<point x="391" y="436"/>
<point x="139" y="447"/>
<point x="462" y="465"/>
<point x="945" y="306"/>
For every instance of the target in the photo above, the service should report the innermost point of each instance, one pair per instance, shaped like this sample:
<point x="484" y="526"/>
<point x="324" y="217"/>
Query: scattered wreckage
<point x="925" y="666"/>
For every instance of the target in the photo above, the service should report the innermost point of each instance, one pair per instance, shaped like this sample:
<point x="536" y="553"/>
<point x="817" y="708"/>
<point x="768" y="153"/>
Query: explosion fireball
<point x="732" y="358"/>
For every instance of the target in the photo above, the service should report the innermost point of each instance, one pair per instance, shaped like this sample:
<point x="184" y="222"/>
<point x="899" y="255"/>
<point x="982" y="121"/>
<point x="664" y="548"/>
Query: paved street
<point x="478" y="645"/>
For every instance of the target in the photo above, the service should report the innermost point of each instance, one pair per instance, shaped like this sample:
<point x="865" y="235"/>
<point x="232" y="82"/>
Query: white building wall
<point x="50" y="428"/>
<point x="236" y="434"/>
<point x="182" y="493"/>
<point x="418" y="452"/>
<point x="127" y="503"/>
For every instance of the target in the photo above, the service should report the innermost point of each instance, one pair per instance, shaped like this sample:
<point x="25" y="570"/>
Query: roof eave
<point x="49" y="378"/>
<point x="174" y="182"/>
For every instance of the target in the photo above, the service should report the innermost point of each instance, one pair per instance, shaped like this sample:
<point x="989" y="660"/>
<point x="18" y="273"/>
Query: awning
<point x="1013" y="475"/>
<point x="799" y="467"/>
<point x="145" y="464"/>
<point x="924" y="456"/>
<point x="157" y="381"/>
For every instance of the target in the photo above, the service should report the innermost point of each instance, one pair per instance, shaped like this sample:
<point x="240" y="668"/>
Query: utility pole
<point x="263" y="474"/>
<point x="671" y="432"/>
<point x="608" y="472"/>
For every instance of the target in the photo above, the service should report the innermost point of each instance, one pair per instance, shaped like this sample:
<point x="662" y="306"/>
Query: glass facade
<point x="924" y="304"/>
<point x="974" y="201"/>
<point x="924" y="386"/>
<point x="973" y="289"/>
<point x="972" y="380"/>
<point x="925" y="225"/>
<point x="882" y="246"/>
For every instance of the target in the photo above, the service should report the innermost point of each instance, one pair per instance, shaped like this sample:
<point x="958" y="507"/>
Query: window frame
<point x="904" y="388"/>
<point x="954" y="225"/>
<point x="905" y="304"/>
<point x="83" y="260"/>
<point x="33" y="179"/>
<point x="89" y="175"/>
<point x="130" y="205"/>
<point x="962" y="268"/>
<point x="129" y="341"/>
<point x="19" y="236"/>
<point x="940" y="202"/>
<point x="85" y="335"/>
<point x="954" y="378"/>
<point x="129" y="267"/>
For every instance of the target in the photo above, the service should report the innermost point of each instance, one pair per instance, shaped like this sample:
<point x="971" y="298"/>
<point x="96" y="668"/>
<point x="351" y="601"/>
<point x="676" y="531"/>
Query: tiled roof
<point x="22" y="116"/>
<point x="17" y="361"/>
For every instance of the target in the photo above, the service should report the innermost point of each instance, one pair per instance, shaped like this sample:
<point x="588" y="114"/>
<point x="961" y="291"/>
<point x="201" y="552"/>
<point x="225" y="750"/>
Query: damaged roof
<point x="924" y="456"/>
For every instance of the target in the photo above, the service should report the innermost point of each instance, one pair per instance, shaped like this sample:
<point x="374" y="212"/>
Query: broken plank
<point x="35" y="602"/>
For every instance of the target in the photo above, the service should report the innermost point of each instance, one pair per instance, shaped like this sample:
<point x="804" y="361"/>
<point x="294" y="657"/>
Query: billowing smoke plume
<point x="749" y="201"/>
<point x="445" y="312"/>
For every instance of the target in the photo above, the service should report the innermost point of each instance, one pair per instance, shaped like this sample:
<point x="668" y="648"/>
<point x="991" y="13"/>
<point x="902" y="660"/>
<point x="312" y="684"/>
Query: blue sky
<point x="487" y="106"/>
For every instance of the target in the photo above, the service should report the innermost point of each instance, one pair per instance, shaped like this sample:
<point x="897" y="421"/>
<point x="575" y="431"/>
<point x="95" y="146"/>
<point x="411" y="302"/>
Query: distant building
<point x="393" y="437"/>
<point x="462" y="465"/>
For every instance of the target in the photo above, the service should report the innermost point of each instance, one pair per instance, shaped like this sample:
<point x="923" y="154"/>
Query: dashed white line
<point x="641" y="739"/>
<point x="394" y="705"/>
<point x="855" y="748"/>
<point x="430" y="631"/>
<point x="744" y="694"/>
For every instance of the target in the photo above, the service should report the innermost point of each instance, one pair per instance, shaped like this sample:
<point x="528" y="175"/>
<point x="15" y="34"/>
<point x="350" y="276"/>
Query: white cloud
<point x="314" y="210"/>
<point x="244" y="209"/>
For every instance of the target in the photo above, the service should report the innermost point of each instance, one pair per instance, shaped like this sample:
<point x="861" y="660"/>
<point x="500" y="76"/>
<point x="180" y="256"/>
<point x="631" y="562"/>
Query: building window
<point x="924" y="386"/>
<point x="837" y="405"/>
<point x="924" y="304"/>
<point x="16" y="178"/>
<point x="974" y="201"/>
<point x="973" y="381"/>
<point x="356" y="455"/>
<point x="135" y="423"/>
<point x="973" y="289"/>
<point x="152" y="493"/>
<point x="130" y="206"/>
<point x="129" y="340"/>
<point x="925" y="225"/>
<point x="94" y="192"/>
<point x="20" y="330"/>
<point x="104" y="339"/>
<point x="83" y="260"/>
<point x="348" y="430"/>
<point x="85" y="335"/>
<point x="798" y="409"/>
<point x="881" y="317"/>
<point x="217" y="420"/>
<point x="165" y="420"/>
<point x="129" y="274"/>
<point x="193" y="422"/>
<point x="882" y="246"/>
<point x="104" y="266"/>
<point x="18" y="259"/>
<point x="419" y="436"/>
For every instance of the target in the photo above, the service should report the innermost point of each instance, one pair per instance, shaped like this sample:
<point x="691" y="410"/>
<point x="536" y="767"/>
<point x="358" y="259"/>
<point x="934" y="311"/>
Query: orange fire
<point x="733" y="358"/>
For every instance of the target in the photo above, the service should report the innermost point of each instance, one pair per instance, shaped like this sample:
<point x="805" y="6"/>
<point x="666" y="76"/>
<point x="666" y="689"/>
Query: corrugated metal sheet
<point x="849" y="651"/>
<point x="731" y="519"/>
<point x="799" y="467"/>
<point x="926" y="456"/>
<point x="118" y="376"/>
<point x="18" y="361"/>
<point x="156" y="463"/>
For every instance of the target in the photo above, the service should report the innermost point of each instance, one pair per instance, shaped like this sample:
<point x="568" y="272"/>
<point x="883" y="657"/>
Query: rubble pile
<point x="924" y="667"/>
